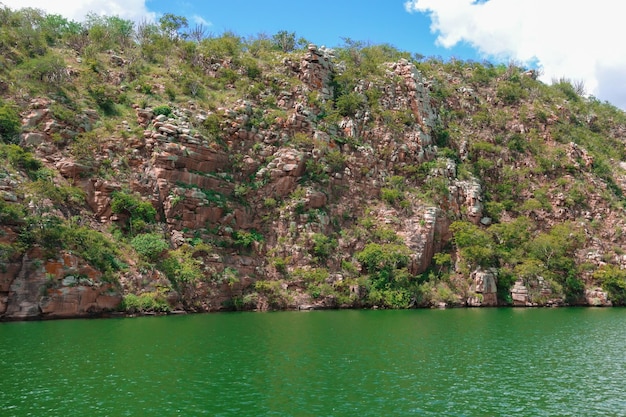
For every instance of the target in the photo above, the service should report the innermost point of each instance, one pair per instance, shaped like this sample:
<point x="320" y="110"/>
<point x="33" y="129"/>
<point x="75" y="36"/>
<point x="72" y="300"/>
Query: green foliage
<point x="171" y="25"/>
<point x="225" y="46"/>
<point x="10" y="123"/>
<point x="139" y="212"/>
<point x="146" y="302"/>
<point x="181" y="266"/>
<point x="276" y="295"/>
<point x="109" y="32"/>
<point x="376" y="257"/>
<point x="149" y="245"/>
<point x="245" y="239"/>
<point x="323" y="246"/>
<point x="284" y="41"/>
<point x="613" y="280"/>
<point x="11" y="212"/>
<point x="164" y="110"/>
<point x="57" y="28"/>
<point x="510" y="92"/>
<point x="315" y="171"/>
<point x="483" y="74"/>
<point x="474" y="244"/>
<point x="49" y="69"/>
<point x="348" y="105"/>
<point x="55" y="234"/>
<point x="336" y="160"/>
<point x="104" y="98"/>
<point x="20" y="159"/>
<point x="212" y="125"/>
<point x="391" y="195"/>
<point x="59" y="194"/>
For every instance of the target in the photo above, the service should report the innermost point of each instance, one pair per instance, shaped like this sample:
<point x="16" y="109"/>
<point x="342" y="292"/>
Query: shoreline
<point x="305" y="308"/>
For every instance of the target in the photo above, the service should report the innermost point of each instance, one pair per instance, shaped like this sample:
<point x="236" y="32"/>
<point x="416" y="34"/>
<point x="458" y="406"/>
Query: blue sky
<point x="574" y="39"/>
<point x="322" y="22"/>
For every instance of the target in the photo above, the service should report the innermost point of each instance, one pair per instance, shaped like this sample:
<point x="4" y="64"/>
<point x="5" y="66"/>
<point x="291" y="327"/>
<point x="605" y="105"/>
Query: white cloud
<point x="200" y="21"/>
<point x="577" y="39"/>
<point x="134" y="10"/>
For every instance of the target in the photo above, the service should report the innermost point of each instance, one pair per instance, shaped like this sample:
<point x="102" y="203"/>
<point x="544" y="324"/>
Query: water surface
<point x="465" y="362"/>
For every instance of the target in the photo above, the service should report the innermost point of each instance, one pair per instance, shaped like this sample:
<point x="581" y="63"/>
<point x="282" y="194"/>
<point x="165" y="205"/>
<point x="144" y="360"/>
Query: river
<point x="457" y="362"/>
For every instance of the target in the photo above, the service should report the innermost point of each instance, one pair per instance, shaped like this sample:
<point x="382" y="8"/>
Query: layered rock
<point x="57" y="288"/>
<point x="484" y="288"/>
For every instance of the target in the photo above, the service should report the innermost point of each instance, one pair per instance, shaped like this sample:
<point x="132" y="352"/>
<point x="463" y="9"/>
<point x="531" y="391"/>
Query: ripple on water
<point x="567" y="362"/>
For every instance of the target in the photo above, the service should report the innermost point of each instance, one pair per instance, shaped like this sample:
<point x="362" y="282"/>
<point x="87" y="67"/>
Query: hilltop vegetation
<point x="158" y="167"/>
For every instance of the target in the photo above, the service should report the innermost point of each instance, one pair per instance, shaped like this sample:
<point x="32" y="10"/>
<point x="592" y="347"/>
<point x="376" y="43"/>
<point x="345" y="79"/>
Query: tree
<point x="197" y="33"/>
<point x="171" y="25"/>
<point x="284" y="41"/>
<point x="57" y="27"/>
<point x="475" y="245"/>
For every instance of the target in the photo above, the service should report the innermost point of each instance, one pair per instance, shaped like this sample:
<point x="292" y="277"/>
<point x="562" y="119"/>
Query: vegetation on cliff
<point x="206" y="172"/>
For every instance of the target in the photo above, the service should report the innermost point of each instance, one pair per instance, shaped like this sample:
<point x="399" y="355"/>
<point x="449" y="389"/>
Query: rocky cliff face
<point x="305" y="189"/>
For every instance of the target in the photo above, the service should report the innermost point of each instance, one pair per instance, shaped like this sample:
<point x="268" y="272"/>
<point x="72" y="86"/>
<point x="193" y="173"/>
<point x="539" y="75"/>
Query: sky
<point x="578" y="40"/>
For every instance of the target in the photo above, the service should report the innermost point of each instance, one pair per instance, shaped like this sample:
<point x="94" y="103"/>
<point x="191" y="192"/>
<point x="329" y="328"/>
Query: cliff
<point x="216" y="174"/>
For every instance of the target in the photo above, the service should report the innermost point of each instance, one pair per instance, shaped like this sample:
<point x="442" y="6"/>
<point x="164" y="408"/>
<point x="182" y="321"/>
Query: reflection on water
<point x="466" y="362"/>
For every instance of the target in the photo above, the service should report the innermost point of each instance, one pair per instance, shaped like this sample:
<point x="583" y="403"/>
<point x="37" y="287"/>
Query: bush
<point x="349" y="104"/>
<point x="510" y="93"/>
<point x="474" y="244"/>
<point x="48" y="69"/>
<point x="323" y="246"/>
<point x="386" y="257"/>
<point x="245" y="239"/>
<point x="613" y="281"/>
<point x="54" y="234"/>
<point x="390" y="195"/>
<point x="137" y="210"/>
<point x="164" y="110"/>
<point x="152" y="301"/>
<point x="149" y="245"/>
<point x="20" y="159"/>
<point x="11" y="212"/>
<point x="10" y="124"/>
<point x="181" y="267"/>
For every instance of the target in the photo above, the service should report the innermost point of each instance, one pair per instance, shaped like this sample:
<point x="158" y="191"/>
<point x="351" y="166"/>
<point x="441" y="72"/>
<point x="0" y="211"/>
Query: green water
<point x="466" y="362"/>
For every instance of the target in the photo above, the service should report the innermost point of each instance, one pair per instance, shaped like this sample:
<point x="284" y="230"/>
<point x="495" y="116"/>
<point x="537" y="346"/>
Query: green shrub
<point x="180" y="266"/>
<point x="390" y="195"/>
<point x="54" y="234"/>
<point x="383" y="257"/>
<point x="11" y="212"/>
<point x="510" y="93"/>
<point x="323" y="246"/>
<point x="245" y="239"/>
<point x="133" y="206"/>
<point x="475" y="245"/>
<point x="103" y="97"/>
<point x="48" y="69"/>
<point x="147" y="302"/>
<point x="164" y="110"/>
<point x="149" y="245"/>
<point x="20" y="158"/>
<point x="613" y="280"/>
<point x="10" y="123"/>
<point x="336" y="160"/>
<point x="349" y="104"/>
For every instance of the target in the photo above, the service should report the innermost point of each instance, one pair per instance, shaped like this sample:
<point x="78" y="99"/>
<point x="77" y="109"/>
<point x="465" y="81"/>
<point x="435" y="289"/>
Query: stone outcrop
<point x="57" y="288"/>
<point x="597" y="297"/>
<point x="484" y="288"/>
<point x="282" y="165"/>
<point x="425" y="235"/>
<point x="533" y="293"/>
